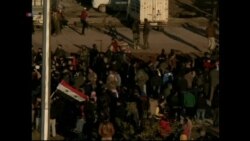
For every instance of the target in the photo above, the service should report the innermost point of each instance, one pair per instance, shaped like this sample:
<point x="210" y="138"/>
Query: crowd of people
<point x="128" y="97"/>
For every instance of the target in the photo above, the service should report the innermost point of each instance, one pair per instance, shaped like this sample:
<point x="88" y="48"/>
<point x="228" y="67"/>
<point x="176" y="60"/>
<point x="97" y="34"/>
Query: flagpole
<point x="45" y="114"/>
<point x="53" y="93"/>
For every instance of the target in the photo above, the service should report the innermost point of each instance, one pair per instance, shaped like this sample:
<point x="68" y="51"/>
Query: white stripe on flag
<point x="70" y="93"/>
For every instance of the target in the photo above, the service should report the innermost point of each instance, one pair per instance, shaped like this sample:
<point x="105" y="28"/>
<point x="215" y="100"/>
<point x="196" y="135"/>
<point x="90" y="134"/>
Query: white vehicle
<point x="156" y="11"/>
<point x="117" y="5"/>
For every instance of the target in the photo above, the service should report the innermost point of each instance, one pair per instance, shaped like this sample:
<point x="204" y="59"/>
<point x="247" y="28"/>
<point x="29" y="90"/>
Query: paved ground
<point x="184" y="34"/>
<point x="172" y="38"/>
<point x="36" y="136"/>
<point x="175" y="36"/>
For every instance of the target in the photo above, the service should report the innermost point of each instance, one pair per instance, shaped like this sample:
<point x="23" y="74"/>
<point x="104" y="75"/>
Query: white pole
<point x="45" y="116"/>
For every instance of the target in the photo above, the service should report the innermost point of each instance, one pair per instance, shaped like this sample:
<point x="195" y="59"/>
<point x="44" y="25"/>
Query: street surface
<point x="175" y="36"/>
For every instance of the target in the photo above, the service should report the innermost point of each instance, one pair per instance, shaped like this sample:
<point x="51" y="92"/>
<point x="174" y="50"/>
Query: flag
<point x="68" y="90"/>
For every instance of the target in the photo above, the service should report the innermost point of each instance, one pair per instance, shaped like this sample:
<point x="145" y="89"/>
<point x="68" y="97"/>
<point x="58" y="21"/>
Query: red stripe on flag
<point x="65" y="84"/>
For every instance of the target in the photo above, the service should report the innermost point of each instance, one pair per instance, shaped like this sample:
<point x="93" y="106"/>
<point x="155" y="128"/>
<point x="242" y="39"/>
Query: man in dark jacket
<point x="55" y="111"/>
<point x="92" y="55"/>
<point x="146" y="30"/>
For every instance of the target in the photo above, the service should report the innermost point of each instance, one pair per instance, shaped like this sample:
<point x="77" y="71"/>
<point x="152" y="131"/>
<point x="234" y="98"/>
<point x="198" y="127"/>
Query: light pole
<point x="45" y="114"/>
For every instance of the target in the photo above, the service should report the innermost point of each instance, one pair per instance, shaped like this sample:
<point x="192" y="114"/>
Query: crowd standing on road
<point x="129" y="98"/>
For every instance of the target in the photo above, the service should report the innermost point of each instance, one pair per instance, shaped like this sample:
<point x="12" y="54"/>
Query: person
<point x="201" y="107"/>
<point x="106" y="130"/>
<point x="214" y="76"/>
<point x="92" y="54"/>
<point x="54" y="113"/>
<point x="203" y="135"/>
<point x="211" y="32"/>
<point x="189" y="103"/>
<point x="165" y="127"/>
<point x="56" y="22"/>
<point x="183" y="137"/>
<point x="33" y="115"/>
<point x="84" y="16"/>
<point x="146" y="30"/>
<point x="160" y="109"/>
<point x="80" y="119"/>
<point x="37" y="107"/>
<point x="38" y="58"/>
<point x="172" y="60"/>
<point x="114" y="46"/>
<point x="60" y="52"/>
<point x="62" y="21"/>
<point x="136" y="34"/>
<point x="162" y="57"/>
<point x="112" y="29"/>
<point x="187" y="127"/>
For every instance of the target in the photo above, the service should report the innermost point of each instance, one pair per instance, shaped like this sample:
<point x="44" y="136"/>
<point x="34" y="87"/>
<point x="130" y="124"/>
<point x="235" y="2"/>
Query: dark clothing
<point x="90" y="112"/>
<point x="92" y="55"/>
<point x="135" y="27"/>
<point x="131" y="76"/>
<point x="84" y="16"/>
<point x="146" y="30"/>
<point x="56" y="109"/>
<point x="38" y="58"/>
<point x="204" y="138"/>
<point x="174" y="105"/>
<point x="60" y="52"/>
<point x="84" y="25"/>
<point x="181" y="84"/>
<point x="201" y="103"/>
<point x="161" y="58"/>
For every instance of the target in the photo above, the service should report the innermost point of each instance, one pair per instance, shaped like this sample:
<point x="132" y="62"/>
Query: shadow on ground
<point x="198" y="31"/>
<point x="180" y="40"/>
<point x="118" y="35"/>
<point x="194" y="29"/>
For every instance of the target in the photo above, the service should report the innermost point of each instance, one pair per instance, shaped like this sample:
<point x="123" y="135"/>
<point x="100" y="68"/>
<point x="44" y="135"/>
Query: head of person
<point x="163" y="51"/>
<point x="94" y="46"/>
<point x="183" y="137"/>
<point x="211" y="21"/>
<point x="202" y="132"/>
<point x="40" y="50"/>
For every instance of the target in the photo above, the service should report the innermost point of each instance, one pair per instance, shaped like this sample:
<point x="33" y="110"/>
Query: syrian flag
<point x="72" y="92"/>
